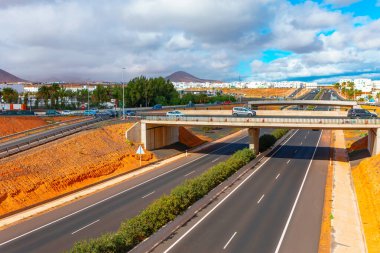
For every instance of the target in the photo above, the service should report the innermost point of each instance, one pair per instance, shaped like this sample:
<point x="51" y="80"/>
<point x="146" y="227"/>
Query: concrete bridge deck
<point x="265" y="122"/>
<point x="304" y="102"/>
<point x="158" y="131"/>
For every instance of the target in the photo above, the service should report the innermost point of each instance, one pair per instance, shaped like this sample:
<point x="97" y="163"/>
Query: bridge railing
<point x="284" y="120"/>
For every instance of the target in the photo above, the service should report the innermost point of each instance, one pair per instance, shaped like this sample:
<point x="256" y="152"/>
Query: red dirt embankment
<point x="66" y="165"/>
<point x="189" y="139"/>
<point x="11" y="125"/>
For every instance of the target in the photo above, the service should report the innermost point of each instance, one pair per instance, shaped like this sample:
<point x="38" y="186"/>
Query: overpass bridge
<point x="303" y="103"/>
<point x="159" y="131"/>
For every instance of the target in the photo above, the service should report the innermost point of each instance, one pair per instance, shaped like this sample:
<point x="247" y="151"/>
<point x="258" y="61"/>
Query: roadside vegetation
<point x="140" y="91"/>
<point x="168" y="207"/>
<point x="347" y="89"/>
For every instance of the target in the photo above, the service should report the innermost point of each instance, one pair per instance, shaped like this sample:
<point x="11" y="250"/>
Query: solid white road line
<point x="148" y="194"/>
<point x="226" y="197"/>
<point x="84" y="227"/>
<point x="215" y="160"/>
<point x="260" y="199"/>
<point x="298" y="195"/>
<point x="189" y="173"/>
<point x="232" y="237"/>
<point x="112" y="196"/>
<point x="277" y="175"/>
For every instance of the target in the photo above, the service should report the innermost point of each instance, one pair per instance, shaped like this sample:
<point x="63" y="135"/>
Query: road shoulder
<point x="347" y="232"/>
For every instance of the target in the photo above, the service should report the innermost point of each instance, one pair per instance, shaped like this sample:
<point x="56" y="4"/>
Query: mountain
<point x="6" y="77"/>
<point x="181" y="76"/>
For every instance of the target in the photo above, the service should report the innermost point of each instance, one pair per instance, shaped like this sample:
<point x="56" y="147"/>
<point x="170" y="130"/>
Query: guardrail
<point x="10" y="148"/>
<point x="40" y="128"/>
<point x="269" y="119"/>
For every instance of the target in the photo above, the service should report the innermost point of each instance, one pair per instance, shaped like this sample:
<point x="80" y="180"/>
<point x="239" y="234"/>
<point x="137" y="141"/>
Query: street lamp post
<point x="122" y="80"/>
<point x="88" y="97"/>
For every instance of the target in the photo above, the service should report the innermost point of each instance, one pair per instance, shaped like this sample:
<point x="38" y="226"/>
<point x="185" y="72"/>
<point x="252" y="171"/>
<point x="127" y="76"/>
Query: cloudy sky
<point x="84" y="40"/>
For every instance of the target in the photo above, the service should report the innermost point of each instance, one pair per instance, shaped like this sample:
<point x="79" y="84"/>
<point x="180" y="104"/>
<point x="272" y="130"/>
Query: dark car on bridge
<point x="360" y="114"/>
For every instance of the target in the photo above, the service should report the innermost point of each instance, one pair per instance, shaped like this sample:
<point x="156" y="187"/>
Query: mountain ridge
<point x="6" y="77"/>
<point x="182" y="76"/>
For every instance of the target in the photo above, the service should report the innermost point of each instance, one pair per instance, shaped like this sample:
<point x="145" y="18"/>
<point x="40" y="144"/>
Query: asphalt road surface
<point x="102" y="212"/>
<point x="261" y="215"/>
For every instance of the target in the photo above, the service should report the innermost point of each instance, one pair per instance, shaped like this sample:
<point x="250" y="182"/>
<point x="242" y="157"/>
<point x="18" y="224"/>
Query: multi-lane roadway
<point x="276" y="208"/>
<point x="281" y="202"/>
<point x="102" y="212"/>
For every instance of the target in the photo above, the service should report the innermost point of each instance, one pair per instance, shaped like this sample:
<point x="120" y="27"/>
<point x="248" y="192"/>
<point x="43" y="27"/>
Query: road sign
<point x="140" y="151"/>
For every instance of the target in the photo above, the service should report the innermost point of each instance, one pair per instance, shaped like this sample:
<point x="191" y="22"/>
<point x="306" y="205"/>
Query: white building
<point x="364" y="85"/>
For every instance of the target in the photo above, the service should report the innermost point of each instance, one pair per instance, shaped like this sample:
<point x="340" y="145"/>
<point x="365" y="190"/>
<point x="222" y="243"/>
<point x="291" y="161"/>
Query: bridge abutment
<point x="157" y="136"/>
<point x="254" y="136"/>
<point x="374" y="141"/>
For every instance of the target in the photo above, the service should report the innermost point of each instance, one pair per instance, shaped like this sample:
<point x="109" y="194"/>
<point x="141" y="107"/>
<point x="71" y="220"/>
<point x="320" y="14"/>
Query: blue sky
<point x="321" y="41"/>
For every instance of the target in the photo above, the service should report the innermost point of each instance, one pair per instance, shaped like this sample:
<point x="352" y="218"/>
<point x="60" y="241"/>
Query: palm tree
<point x="43" y="93"/>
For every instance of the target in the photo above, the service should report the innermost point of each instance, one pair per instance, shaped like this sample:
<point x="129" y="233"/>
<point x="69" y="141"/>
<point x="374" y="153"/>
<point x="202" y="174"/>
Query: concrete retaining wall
<point x="157" y="136"/>
<point x="133" y="134"/>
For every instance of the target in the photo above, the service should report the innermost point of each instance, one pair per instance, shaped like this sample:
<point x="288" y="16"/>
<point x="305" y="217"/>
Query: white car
<point x="66" y="112"/>
<point x="174" y="114"/>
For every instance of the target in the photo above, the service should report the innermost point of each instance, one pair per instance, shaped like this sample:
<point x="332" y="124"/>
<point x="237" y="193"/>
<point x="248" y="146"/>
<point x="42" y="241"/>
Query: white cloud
<point x="78" y="39"/>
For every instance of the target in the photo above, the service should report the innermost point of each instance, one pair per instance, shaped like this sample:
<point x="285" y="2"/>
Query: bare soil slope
<point x="66" y="165"/>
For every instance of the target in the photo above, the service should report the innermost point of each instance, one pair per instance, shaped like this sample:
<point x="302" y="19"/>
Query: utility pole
<point x="122" y="80"/>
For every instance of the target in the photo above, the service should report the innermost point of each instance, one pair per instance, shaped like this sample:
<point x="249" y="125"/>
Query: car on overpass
<point x="174" y="114"/>
<point x="130" y="113"/>
<point x="243" y="111"/>
<point x="360" y="113"/>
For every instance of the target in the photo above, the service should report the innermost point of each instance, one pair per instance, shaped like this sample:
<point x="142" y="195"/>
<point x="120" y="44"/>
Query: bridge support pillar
<point x="157" y="136"/>
<point x="254" y="135"/>
<point x="374" y="141"/>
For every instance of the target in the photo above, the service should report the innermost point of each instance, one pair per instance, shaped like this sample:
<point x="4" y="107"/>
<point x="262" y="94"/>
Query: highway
<point x="277" y="208"/>
<point x="254" y="216"/>
<point x="102" y="212"/>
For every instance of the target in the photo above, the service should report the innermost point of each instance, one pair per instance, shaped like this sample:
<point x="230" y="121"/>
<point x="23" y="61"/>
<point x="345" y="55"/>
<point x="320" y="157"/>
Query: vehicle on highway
<point x="52" y="112"/>
<point x="130" y="113"/>
<point x="66" y="112"/>
<point x="243" y="111"/>
<point x="228" y="102"/>
<point x="89" y="112"/>
<point x="360" y="114"/>
<point x="157" y="107"/>
<point x="111" y="113"/>
<point x="174" y="114"/>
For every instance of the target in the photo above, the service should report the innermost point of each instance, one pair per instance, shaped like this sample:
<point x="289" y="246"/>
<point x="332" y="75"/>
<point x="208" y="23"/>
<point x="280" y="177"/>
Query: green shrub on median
<point x="268" y="140"/>
<point x="165" y="209"/>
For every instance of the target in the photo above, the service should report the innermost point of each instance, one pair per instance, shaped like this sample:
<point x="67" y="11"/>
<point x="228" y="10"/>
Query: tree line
<point x="348" y="89"/>
<point x="140" y="91"/>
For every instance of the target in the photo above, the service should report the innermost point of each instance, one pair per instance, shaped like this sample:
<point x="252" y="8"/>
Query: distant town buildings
<point x="245" y="84"/>
<point x="364" y="85"/>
